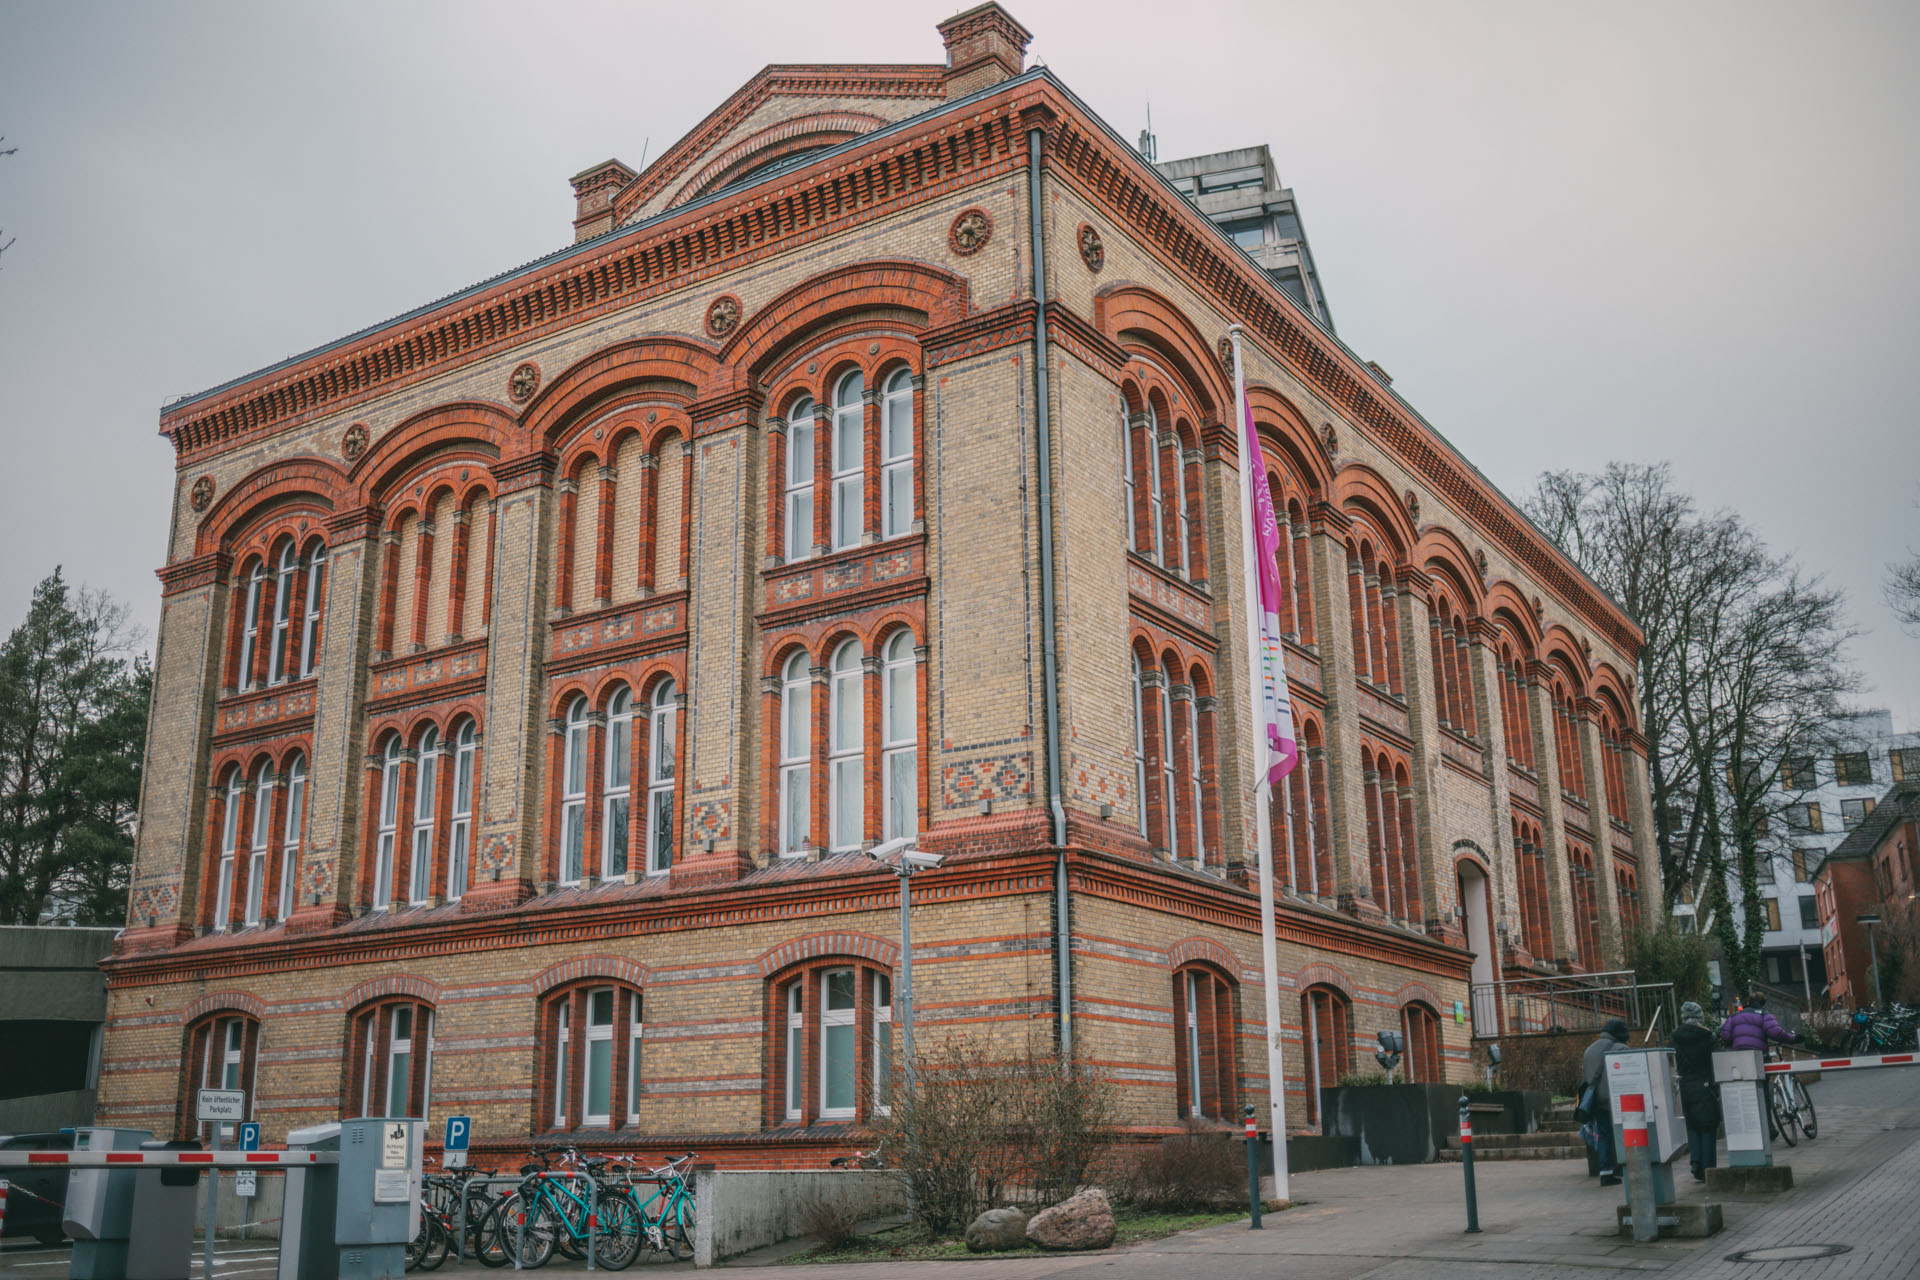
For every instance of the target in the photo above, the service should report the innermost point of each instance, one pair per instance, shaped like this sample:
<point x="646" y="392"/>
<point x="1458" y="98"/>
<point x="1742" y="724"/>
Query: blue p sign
<point x="249" y="1137"/>
<point x="459" y="1129"/>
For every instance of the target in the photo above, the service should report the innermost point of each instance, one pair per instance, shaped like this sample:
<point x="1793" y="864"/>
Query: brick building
<point x="1872" y="875"/>
<point x="534" y="667"/>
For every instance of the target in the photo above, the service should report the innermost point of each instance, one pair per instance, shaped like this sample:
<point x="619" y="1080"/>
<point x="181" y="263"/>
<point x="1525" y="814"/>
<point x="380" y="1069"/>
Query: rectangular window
<point x="1853" y="769"/>
<point x="459" y="839"/>
<point x="1248" y="234"/>
<point x="257" y="859"/>
<point x="573" y="805"/>
<point x="796" y="1052"/>
<point x="282" y="620"/>
<point x="250" y="629"/>
<point x="882" y="1041"/>
<point x="560" y="1047"/>
<point x="389" y="818"/>
<point x="1809" y="913"/>
<point x="796" y="744"/>
<point x="836" y="1044"/>
<point x="420" y="870"/>
<point x="1797" y="773"/>
<point x="399" y="1060"/>
<point x="290" y="837"/>
<point x="1252" y="177"/>
<point x="617" y="796"/>
<point x="634" y="1029"/>
<point x="1773" y="914"/>
<point x="848" y="433"/>
<point x="1854" y="812"/>
<point x="800" y="485"/>
<point x="896" y="459"/>
<point x="223" y="896"/>
<point x="1905" y="762"/>
<point x="847" y="765"/>
<point x="599" y="1058"/>
<point x="660" y="766"/>
<point x="1800" y="866"/>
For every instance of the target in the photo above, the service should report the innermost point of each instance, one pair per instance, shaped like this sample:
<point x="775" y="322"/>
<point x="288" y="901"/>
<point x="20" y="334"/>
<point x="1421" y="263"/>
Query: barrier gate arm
<point x="1804" y="1066"/>
<point x="191" y="1159"/>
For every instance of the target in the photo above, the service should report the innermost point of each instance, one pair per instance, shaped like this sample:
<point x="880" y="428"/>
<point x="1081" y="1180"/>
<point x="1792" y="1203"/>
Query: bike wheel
<point x="1782" y="1112"/>
<point x="544" y="1231"/>
<point x="617" y="1241"/>
<point x="490" y="1243"/>
<point x="1809" y="1123"/>
<point x="678" y="1229"/>
<point x="439" y="1244"/>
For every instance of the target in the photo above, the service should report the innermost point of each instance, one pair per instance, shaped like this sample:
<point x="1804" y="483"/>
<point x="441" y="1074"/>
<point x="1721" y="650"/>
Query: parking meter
<point x="99" y="1209"/>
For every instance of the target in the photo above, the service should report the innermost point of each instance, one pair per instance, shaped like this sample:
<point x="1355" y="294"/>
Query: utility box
<point x="160" y="1236"/>
<point x="307" y="1251"/>
<point x="1742" y="1077"/>
<point x="1651" y="1074"/>
<point x="377" y="1210"/>
<point x="99" y="1211"/>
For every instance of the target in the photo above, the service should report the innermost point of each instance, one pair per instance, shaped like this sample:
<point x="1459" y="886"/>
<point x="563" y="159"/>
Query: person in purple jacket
<point x="1753" y="1027"/>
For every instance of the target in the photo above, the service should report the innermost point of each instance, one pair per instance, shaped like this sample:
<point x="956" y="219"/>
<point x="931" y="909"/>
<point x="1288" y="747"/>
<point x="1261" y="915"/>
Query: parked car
<point x="37" y="1212"/>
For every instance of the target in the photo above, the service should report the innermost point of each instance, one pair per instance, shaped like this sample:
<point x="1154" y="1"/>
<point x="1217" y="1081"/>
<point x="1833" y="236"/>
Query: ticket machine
<point x="99" y="1212"/>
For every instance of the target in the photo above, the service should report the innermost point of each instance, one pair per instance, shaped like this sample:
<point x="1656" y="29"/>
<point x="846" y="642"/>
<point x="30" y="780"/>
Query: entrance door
<point x="1477" y="904"/>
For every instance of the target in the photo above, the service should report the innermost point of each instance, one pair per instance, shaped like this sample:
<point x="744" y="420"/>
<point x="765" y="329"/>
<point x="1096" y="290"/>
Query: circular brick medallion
<point x="354" y="442"/>
<point x="201" y="495"/>
<point x="970" y="232"/>
<point x="1092" y="251"/>
<point x="723" y="316"/>
<point x="524" y="382"/>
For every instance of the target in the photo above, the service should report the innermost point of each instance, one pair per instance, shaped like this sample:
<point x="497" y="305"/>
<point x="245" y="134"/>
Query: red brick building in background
<point x="535" y="667"/>
<point x="1875" y="871"/>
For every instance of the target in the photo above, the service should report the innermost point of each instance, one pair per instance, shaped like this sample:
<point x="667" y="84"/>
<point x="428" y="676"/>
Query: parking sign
<point x="250" y="1136"/>
<point x="459" y="1132"/>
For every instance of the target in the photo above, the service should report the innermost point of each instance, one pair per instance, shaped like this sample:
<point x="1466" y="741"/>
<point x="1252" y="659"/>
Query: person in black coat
<point x="1693" y="1047"/>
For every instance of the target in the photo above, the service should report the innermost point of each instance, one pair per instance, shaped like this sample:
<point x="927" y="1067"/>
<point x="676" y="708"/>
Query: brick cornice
<point x="193" y="573"/>
<point x="977" y="334"/>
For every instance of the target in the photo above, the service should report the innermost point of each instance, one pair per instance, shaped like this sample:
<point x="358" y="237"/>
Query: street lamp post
<point x="899" y="856"/>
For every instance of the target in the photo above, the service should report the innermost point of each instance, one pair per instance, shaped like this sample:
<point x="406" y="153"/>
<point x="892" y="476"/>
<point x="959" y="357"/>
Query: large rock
<point x="1084" y="1221"/>
<point x="997" y="1229"/>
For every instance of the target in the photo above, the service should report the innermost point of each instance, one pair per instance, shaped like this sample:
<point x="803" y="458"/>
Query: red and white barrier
<point x="3" y="1206"/>
<point x="1804" y="1066"/>
<point x="1466" y="1133"/>
<point x="1633" y="1119"/>
<point x="169" y="1159"/>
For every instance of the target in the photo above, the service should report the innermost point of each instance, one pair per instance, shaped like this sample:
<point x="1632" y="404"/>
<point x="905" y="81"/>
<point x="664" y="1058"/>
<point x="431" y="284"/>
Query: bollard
<point x="1639" y="1166"/>
<point x="1466" y="1163"/>
<point x="1253" y="1168"/>
<point x="3" y="1204"/>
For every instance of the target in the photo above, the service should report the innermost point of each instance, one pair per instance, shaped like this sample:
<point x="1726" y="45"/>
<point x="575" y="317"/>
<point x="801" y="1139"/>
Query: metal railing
<point x="1569" y="1002"/>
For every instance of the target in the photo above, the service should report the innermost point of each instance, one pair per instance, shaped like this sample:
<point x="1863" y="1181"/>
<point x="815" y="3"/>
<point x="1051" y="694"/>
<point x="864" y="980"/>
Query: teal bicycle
<point x="583" y="1203"/>
<point x="666" y="1214"/>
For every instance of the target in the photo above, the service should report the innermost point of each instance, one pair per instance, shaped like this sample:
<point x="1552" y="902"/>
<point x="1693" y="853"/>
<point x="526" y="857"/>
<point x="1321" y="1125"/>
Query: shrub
<point x="1665" y="954"/>
<point x="831" y="1222"/>
<point x="1201" y="1167"/>
<point x="1827" y="1031"/>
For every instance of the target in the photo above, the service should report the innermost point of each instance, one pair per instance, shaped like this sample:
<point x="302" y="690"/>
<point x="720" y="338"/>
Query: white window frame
<point x="636" y="1030"/>
<point x="250" y="627"/>
<point x="1169" y="771"/>
<point x="848" y="460"/>
<point x="616" y="803"/>
<point x="389" y="825"/>
<point x="397" y="1047"/>
<point x="426" y="777"/>
<point x="232" y="1056"/>
<point x="597" y="1033"/>
<point x="560" y="1045"/>
<point x="1193" y="777"/>
<point x="573" y="795"/>
<point x="896" y="456"/>
<point x="799" y="480"/>
<point x="796" y="1049"/>
<point x="460" y="822"/>
<point x="899" y="748"/>
<point x="229" y="848"/>
<point x="662" y="744"/>
<point x="310" y="633"/>
<point x="290" y="834"/>
<point x="796" y="755"/>
<point x="830" y="1019"/>
<point x="1140" y="742"/>
<point x="1128" y="481"/>
<point x="1156" y="497"/>
<point x="258" y="846"/>
<point x="882" y="1041"/>
<point x="282" y="614"/>
<point x="1180" y="513"/>
<point x="1193" y="1043"/>
<point x="846" y="749"/>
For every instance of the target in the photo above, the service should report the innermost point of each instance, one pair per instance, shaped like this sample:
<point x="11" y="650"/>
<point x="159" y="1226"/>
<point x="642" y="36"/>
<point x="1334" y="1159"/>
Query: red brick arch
<point x="672" y="370"/>
<point x="313" y="482"/>
<point x="819" y="128"/>
<point x="1365" y="491"/>
<point x="1421" y="992"/>
<point x="395" y="984"/>
<point x="226" y="1002"/>
<point x="582" y="968"/>
<point x="927" y="295"/>
<point x="1285" y="430"/>
<point x="484" y="431"/>
<point x="814" y="946"/>
<point x="1204" y="950"/>
<point x="1137" y="318"/>
<point x="1325" y="975"/>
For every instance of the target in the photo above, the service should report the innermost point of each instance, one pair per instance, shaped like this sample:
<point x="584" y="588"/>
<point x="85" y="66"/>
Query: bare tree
<point x="1903" y="592"/>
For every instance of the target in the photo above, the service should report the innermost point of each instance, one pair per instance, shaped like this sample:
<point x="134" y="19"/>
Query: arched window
<point x="261" y="843"/>
<point x="389" y="824"/>
<point x="1566" y="740"/>
<point x="390" y="1060"/>
<point x="1156" y="498"/>
<point x="846" y="750"/>
<point x="573" y="794"/>
<point x="420" y="860"/>
<point x="799" y="486"/>
<point x="1128" y="488"/>
<point x="1412" y="890"/>
<point x="221" y="1050"/>
<point x="590" y="1056"/>
<point x="310" y="635"/>
<point x="660" y="766"/>
<point x="1300" y="576"/>
<point x="283" y="621"/>
<point x="1513" y="707"/>
<point x="1169" y="783"/>
<point x="896" y="456"/>
<point x="1326" y="1018"/>
<point x="617" y="790"/>
<point x="796" y="754"/>
<point x="250" y="627"/>
<point x="1139" y="744"/>
<point x="900" y="738"/>
<point x="1193" y="501"/>
<point x="1205" y="1062"/>
<point x="1196" y="795"/>
<point x="460" y="836"/>
<point x="229" y="848"/>
<point x="834" y="1030"/>
<point x="849" y="446"/>
<point x="1177" y="478"/>
<point x="290" y="834"/>
<point x="1420" y="1025"/>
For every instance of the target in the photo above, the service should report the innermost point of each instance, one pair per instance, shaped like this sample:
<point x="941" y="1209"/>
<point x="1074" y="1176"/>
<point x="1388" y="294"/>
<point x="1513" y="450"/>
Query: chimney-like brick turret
<point x="984" y="46"/>
<point x="593" y="193"/>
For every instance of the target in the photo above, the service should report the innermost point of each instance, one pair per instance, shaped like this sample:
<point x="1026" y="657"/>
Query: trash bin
<point x="160" y="1235"/>
<point x="100" y="1206"/>
<point x="307" y="1250"/>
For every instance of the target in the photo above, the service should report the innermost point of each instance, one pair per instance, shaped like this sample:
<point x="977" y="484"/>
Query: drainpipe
<point x="1062" y="951"/>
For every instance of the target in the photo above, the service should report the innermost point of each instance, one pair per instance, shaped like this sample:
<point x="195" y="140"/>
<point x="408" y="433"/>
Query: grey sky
<point x="1572" y="233"/>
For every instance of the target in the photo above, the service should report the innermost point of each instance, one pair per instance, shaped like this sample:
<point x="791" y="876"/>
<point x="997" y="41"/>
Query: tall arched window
<point x="283" y="621"/>
<point x="1300" y="580"/>
<point x="846" y="750"/>
<point x="420" y="859"/>
<point x="1169" y="783"/>
<point x="573" y="794"/>
<point x="896" y="456"/>
<point x="617" y="789"/>
<point x="660" y="765"/>
<point x="290" y="834"/>
<point x="849" y="445"/>
<point x="591" y="1036"/>
<point x="1128" y="487"/>
<point x="390" y="1057"/>
<point x="1420" y="1024"/>
<point x="389" y="824"/>
<point x="1156" y="495"/>
<point x="799" y="486"/>
<point x="261" y="843"/>
<point x="1326" y="1017"/>
<point x="310" y="635"/>
<point x="229" y="835"/>
<point x="834" y="1022"/>
<point x="1176" y="477"/>
<point x="1205" y="1063"/>
<point x="220" y="1053"/>
<point x="900" y="739"/>
<point x="460" y="836"/>
<point x="1513" y="706"/>
<point x="250" y="626"/>
<point x="1140" y="744"/>
<point x="1196" y="798"/>
<point x="796" y="754"/>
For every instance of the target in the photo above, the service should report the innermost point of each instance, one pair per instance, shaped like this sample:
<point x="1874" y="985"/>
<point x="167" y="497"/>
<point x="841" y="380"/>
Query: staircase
<point x="1557" y="1138"/>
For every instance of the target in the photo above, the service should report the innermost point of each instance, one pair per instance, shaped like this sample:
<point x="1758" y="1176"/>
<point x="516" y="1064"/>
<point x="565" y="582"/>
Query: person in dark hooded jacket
<point x="1693" y="1047"/>
<point x="1593" y="1075"/>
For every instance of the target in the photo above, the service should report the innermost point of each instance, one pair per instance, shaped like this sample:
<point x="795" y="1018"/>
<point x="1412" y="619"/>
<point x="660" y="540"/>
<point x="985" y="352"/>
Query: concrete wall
<point x="53" y="977"/>
<point x="740" y="1212"/>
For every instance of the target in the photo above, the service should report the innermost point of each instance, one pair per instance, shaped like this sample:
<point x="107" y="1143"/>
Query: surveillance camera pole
<point x="905" y="872"/>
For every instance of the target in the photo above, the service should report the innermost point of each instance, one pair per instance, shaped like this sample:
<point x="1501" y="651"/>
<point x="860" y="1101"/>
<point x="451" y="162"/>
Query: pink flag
<point x="1276" y="705"/>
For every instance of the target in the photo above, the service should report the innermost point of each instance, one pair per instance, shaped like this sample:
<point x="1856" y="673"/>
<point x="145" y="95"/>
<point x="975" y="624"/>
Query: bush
<point x="1827" y="1031"/>
<point x="831" y="1222"/>
<point x="1201" y="1167"/>
<point x="980" y="1131"/>
<point x="1665" y="954"/>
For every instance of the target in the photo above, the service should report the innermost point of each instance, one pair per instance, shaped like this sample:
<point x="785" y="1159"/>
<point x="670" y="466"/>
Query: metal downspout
<point x="1062" y="950"/>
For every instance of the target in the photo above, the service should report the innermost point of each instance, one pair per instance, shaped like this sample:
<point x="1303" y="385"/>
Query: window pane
<point x="599" y="1077"/>
<point x="846" y="512"/>
<point x="799" y="525"/>
<point x="847" y="802"/>
<point x="799" y="700"/>
<point x="660" y="841"/>
<point x="397" y="1084"/>
<point x="619" y="752"/>
<point x="900" y="703"/>
<point x="800" y="453"/>
<point x="576" y="759"/>
<point x="902" y="794"/>
<point x="840" y="990"/>
<point x="898" y="496"/>
<point x="846" y="440"/>
<point x="572" y="836"/>
<point x="423" y="790"/>
<point x="795" y="807"/>
<point x="898" y="441"/>
<point x="836" y="1068"/>
<point x="616" y="836"/>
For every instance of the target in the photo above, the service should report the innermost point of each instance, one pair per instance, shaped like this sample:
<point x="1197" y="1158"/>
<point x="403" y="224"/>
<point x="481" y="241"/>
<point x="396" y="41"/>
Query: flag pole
<point x="1262" y="787"/>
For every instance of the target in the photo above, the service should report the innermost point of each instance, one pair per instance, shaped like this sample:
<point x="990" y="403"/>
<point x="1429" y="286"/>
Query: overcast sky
<point x="1571" y="233"/>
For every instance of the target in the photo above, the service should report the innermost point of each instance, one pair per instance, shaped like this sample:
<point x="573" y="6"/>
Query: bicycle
<point x="667" y="1216"/>
<point x="1790" y="1106"/>
<point x="439" y="1194"/>
<point x="569" y="1210"/>
<point x="874" y="1159"/>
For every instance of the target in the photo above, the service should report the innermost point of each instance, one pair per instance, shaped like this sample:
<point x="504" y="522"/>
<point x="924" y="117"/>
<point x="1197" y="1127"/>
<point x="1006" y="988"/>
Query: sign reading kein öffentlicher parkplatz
<point x="218" y="1106"/>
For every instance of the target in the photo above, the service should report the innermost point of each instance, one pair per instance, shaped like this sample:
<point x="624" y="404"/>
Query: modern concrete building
<point x="1240" y="190"/>
<point x="53" y="1004"/>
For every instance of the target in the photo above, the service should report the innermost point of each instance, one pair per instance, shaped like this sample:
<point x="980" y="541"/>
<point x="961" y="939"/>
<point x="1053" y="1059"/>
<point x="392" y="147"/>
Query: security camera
<point x="922" y="861"/>
<point x="885" y="850"/>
